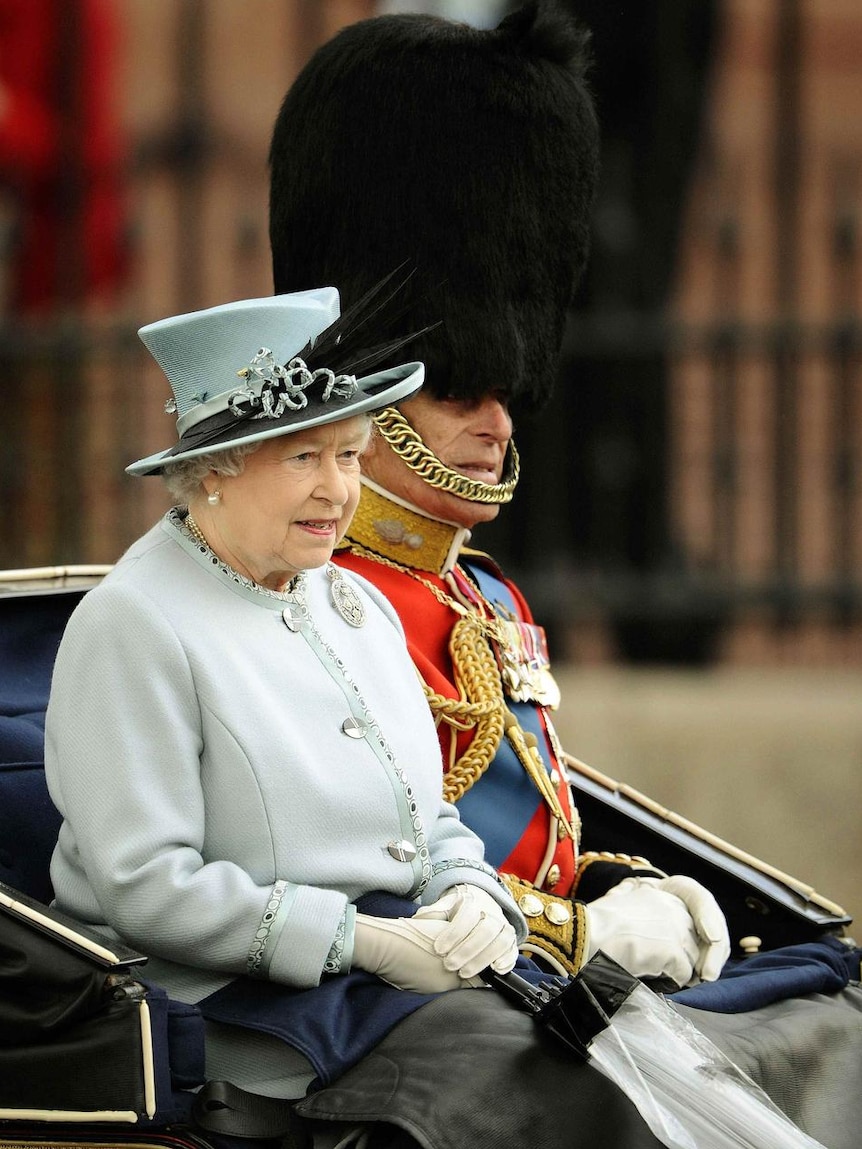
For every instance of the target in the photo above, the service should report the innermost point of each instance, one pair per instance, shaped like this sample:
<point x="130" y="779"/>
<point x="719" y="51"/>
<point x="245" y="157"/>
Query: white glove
<point x="478" y="934"/>
<point x="401" y="951"/>
<point x="709" y="923"/>
<point x="646" y="929"/>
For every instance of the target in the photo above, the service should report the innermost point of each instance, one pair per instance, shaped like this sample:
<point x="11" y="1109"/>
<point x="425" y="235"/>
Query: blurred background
<point x="689" y="522"/>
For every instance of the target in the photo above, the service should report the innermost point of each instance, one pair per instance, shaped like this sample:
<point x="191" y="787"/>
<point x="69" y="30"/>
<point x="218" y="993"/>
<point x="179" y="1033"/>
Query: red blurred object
<point x="61" y="154"/>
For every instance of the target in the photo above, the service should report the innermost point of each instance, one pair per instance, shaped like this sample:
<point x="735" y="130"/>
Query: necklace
<point x="195" y="531"/>
<point x="344" y="597"/>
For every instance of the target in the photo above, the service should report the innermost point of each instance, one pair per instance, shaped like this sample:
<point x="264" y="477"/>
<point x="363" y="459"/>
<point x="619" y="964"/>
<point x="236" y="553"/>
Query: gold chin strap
<point x="408" y="446"/>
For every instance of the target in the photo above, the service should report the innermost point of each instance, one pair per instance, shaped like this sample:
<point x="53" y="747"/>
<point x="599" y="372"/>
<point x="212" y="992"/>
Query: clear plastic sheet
<point x="689" y="1094"/>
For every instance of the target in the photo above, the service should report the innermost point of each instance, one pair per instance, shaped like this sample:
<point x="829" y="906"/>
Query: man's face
<point x="470" y="438"/>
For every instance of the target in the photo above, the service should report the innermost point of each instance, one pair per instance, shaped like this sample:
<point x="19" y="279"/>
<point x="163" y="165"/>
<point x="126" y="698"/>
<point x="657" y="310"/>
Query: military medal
<point x="522" y="651"/>
<point x="520" y="648"/>
<point x="344" y="598"/>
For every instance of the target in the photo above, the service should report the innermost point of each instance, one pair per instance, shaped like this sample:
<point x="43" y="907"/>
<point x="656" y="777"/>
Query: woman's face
<point x="290" y="506"/>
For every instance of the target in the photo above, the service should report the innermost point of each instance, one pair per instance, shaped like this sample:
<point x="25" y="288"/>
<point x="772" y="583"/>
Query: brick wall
<point x="766" y="444"/>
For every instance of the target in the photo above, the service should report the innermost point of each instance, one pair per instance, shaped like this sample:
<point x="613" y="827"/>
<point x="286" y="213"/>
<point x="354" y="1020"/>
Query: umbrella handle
<point x="517" y="989"/>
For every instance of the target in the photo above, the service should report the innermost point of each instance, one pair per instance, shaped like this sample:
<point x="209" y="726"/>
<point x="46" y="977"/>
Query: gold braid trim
<point x="525" y="746"/>
<point x="558" y="929"/>
<point x="407" y="444"/>
<point x="480" y="706"/>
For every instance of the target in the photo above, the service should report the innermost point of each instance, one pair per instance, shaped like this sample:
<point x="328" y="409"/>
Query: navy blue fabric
<point x="186" y="1038"/>
<point x="22" y="736"/>
<point x="334" y="1025"/>
<point x="29" y="824"/>
<point x="338" y="1022"/>
<point x="178" y="1054"/>
<point x="30" y="630"/>
<point x="825" y="966"/>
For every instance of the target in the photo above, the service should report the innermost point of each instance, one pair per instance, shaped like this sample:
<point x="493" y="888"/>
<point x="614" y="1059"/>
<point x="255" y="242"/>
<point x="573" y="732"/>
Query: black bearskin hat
<point x="470" y="156"/>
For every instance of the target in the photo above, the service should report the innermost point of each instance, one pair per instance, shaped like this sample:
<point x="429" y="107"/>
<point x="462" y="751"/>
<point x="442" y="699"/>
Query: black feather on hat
<point x="470" y="155"/>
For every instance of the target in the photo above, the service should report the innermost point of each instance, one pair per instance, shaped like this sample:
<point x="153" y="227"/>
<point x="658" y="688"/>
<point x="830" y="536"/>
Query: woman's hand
<point x="402" y="951"/>
<point x="477" y="934"/>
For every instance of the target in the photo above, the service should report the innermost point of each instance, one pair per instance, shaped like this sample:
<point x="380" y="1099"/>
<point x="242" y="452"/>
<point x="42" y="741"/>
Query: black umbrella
<point x="574" y="1010"/>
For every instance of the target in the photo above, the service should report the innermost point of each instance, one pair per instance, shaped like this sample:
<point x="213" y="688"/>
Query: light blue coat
<point x="216" y="814"/>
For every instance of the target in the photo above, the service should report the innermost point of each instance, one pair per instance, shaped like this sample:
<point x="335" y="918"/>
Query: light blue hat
<point x="260" y="368"/>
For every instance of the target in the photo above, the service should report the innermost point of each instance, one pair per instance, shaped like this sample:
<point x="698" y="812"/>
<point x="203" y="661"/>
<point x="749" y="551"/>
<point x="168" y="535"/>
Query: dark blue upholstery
<point x="31" y="626"/>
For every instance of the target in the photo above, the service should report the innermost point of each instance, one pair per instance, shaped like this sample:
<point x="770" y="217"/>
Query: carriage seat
<point x="31" y="626"/>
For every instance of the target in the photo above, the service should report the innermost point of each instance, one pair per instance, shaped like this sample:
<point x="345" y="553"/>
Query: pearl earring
<point x="214" y="499"/>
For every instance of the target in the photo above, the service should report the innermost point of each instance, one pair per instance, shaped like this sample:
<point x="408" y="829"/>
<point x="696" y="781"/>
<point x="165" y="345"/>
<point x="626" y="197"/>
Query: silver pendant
<point x="344" y="598"/>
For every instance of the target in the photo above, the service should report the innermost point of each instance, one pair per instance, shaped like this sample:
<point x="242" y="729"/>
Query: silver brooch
<point x="344" y="598"/>
<point x="275" y="388"/>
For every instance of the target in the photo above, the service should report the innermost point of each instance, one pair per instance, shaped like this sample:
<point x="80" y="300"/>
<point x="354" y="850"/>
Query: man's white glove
<point x="709" y="923"/>
<point x="478" y="934"/>
<point x="401" y="951"/>
<point x="660" y="927"/>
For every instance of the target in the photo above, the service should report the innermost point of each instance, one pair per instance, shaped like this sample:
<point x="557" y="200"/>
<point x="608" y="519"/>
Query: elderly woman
<point x="236" y="738"/>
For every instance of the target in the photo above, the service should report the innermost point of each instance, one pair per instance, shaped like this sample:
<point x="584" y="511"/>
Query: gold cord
<point x="526" y="747"/>
<point x="482" y="704"/>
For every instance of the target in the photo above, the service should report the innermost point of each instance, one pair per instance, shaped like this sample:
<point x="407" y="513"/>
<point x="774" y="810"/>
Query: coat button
<point x="402" y="851"/>
<point x="292" y="619"/>
<point x="354" y="727"/>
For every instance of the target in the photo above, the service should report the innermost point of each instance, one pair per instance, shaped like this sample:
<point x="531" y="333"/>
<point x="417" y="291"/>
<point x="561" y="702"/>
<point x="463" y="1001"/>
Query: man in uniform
<point x="471" y="157"/>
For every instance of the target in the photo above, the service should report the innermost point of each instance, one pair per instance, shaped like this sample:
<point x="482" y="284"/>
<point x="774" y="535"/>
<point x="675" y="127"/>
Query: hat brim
<point x="381" y="389"/>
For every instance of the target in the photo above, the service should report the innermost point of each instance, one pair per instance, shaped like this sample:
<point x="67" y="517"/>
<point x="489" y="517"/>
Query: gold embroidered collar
<point x="398" y="531"/>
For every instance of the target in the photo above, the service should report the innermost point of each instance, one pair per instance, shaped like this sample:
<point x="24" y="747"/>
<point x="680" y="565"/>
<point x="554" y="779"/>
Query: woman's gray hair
<point x="183" y="479"/>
